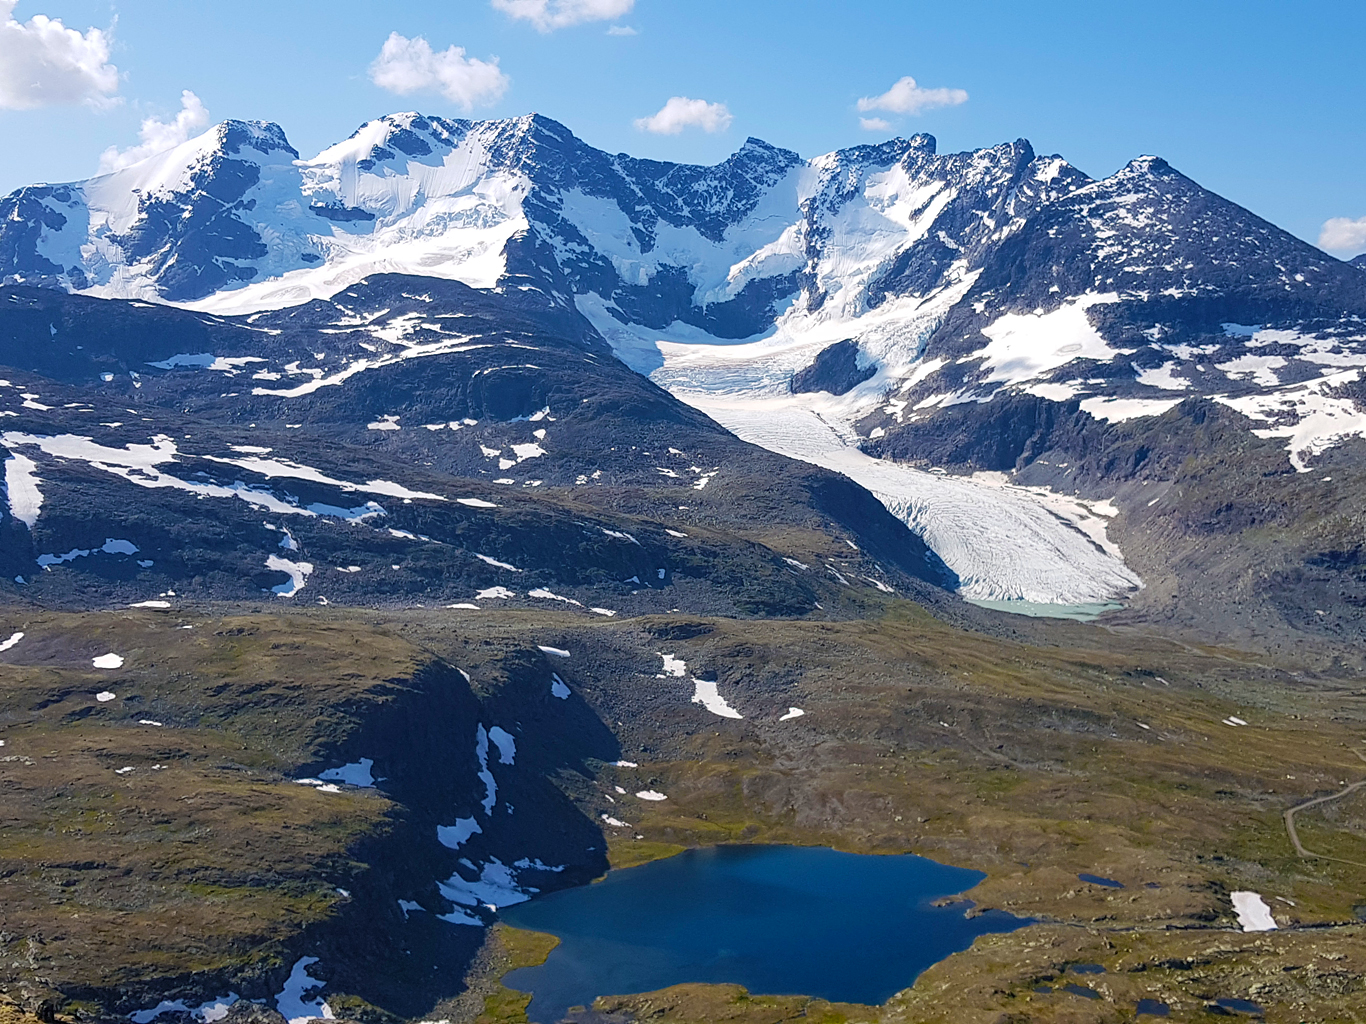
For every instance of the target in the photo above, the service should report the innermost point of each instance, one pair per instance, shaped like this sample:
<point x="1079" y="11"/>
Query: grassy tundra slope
<point x="1024" y="757"/>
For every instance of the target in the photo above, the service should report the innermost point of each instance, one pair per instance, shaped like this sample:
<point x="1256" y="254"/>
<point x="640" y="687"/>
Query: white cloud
<point x="1343" y="233"/>
<point x="409" y="65"/>
<point x="908" y="98"/>
<point x="622" y="30"/>
<point x="681" y="112"/>
<point x="548" y="15"/>
<point x="874" y="124"/>
<point x="43" y="63"/>
<point x="158" y="136"/>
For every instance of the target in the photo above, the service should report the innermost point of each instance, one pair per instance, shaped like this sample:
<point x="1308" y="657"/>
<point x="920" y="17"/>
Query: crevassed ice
<point x="1003" y="543"/>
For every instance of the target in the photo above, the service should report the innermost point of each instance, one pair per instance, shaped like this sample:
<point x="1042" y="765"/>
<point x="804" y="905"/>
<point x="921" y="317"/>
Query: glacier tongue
<point x="1003" y="542"/>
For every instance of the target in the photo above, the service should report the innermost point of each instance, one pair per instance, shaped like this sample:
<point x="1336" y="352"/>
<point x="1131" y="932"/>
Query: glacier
<point x="723" y="283"/>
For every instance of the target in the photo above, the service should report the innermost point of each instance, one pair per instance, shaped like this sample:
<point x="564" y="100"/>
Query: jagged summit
<point x="1147" y="164"/>
<point x="236" y="208"/>
<point x="907" y="251"/>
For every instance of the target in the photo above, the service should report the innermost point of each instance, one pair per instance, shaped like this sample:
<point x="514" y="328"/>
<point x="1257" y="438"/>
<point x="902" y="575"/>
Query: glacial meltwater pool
<point x="779" y="920"/>
<point x="1037" y="610"/>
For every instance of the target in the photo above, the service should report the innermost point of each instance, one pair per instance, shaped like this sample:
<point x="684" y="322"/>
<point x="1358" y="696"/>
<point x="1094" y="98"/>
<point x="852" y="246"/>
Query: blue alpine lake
<point x="778" y="920"/>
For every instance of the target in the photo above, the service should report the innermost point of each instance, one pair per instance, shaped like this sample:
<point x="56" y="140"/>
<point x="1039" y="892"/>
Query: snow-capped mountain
<point x="956" y="277"/>
<point x="879" y="311"/>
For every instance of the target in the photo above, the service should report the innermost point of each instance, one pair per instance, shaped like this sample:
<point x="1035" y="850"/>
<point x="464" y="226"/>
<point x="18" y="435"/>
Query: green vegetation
<point x="509" y="949"/>
<point x="703" y="1004"/>
<point x="1025" y="756"/>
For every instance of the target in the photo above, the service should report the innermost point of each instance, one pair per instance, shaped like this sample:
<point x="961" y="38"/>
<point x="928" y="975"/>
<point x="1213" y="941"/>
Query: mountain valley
<point x="398" y="533"/>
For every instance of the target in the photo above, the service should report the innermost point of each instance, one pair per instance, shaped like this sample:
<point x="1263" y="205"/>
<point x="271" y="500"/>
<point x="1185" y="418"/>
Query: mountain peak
<point x="263" y="136"/>
<point x="759" y="145"/>
<point x="758" y="153"/>
<point x="1152" y="165"/>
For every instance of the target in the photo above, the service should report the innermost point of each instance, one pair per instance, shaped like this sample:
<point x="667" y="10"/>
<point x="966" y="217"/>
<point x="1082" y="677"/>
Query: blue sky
<point x="1263" y="102"/>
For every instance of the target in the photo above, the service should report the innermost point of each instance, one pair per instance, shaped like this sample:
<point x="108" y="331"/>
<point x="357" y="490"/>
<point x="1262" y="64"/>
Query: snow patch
<point x="291" y="1001"/>
<point x="496" y="886"/>
<point x="21" y="488"/>
<point x="1161" y="377"/>
<point x="356" y="774"/>
<point x="138" y="464"/>
<point x="455" y="836"/>
<point x="298" y="573"/>
<point x="705" y="693"/>
<point x="674" y="666"/>
<point x="209" y="1011"/>
<point x="543" y="594"/>
<point x="1026" y="345"/>
<point x="481" y="753"/>
<point x="1307" y="415"/>
<point x="506" y="744"/>
<point x="1117" y="410"/>
<point x="1253" y="913"/>
<point x="1259" y="369"/>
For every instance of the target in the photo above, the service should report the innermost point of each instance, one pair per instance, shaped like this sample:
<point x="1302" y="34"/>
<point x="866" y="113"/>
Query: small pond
<point x="775" y="919"/>
<point x="1037" y="610"/>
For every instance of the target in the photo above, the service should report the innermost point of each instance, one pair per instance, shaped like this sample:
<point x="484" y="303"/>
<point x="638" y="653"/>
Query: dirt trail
<point x="1294" y="834"/>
